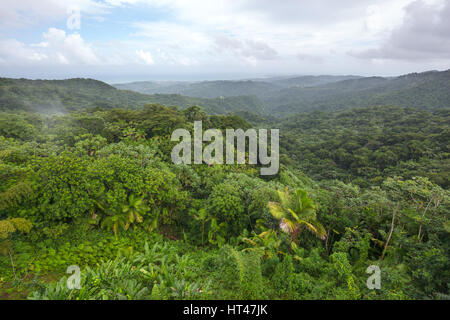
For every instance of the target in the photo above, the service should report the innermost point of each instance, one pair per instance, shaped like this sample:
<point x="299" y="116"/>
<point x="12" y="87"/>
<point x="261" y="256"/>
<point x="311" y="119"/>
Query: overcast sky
<point x="124" y="40"/>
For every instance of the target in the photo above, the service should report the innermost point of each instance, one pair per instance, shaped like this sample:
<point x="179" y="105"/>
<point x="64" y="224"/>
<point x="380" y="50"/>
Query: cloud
<point x="423" y="35"/>
<point x="57" y="47"/>
<point x="316" y="13"/>
<point x="15" y="52"/>
<point x="25" y="13"/>
<point x="250" y="49"/>
<point x="208" y="37"/>
<point x="145" y="56"/>
<point x="172" y="43"/>
<point x="309" y="58"/>
<point x="175" y="59"/>
<point x="70" y="46"/>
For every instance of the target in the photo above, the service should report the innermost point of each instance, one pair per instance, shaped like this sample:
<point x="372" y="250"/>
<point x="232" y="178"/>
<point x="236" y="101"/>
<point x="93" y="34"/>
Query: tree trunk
<point x="12" y="264"/>
<point x="327" y="248"/>
<point x="203" y="233"/>
<point x="421" y="222"/>
<point x="390" y="233"/>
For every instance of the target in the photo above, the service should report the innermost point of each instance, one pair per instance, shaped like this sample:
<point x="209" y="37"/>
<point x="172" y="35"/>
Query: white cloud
<point x="262" y="30"/>
<point x="174" y="44"/>
<point x="71" y="46"/>
<point x="145" y="56"/>
<point x="222" y="35"/>
<point x="15" y="52"/>
<point x="26" y="13"/>
<point x="57" y="47"/>
<point x="250" y="50"/>
<point x="423" y="34"/>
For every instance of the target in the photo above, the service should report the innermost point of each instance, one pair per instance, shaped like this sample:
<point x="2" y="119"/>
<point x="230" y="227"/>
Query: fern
<point x="250" y="275"/>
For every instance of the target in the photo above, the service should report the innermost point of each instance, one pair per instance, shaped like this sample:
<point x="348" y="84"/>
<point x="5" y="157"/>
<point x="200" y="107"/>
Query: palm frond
<point x="276" y="210"/>
<point x="285" y="198"/>
<point x="315" y="228"/>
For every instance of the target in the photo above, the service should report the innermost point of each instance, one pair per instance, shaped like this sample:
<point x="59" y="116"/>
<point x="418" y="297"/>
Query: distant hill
<point x="276" y="97"/>
<point x="308" y="81"/>
<point x="227" y="88"/>
<point x="152" y="87"/>
<point x="50" y="96"/>
<point x="426" y="91"/>
<point x="204" y="89"/>
<point x="284" y="96"/>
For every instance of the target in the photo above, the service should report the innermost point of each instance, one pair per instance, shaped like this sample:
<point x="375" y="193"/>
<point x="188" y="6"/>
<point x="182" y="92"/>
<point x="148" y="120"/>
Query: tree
<point x="8" y="227"/>
<point x="115" y="222"/>
<point x="132" y="212"/>
<point x="294" y="212"/>
<point x="225" y="204"/>
<point x="16" y="126"/>
<point x="203" y="217"/>
<point x="135" y="208"/>
<point x="422" y="196"/>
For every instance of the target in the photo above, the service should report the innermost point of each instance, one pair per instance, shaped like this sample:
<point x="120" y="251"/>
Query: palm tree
<point x="115" y="222"/>
<point x="295" y="212"/>
<point x="135" y="208"/>
<point x="131" y="212"/>
<point x="203" y="217"/>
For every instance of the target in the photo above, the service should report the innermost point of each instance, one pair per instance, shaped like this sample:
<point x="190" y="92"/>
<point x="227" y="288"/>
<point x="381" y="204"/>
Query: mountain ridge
<point x="53" y="96"/>
<point x="277" y="97"/>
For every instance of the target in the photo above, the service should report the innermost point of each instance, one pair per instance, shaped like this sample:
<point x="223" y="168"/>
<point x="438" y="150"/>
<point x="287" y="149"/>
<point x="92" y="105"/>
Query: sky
<point x="130" y="40"/>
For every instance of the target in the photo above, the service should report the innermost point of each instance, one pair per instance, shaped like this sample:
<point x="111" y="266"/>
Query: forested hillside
<point x="307" y="81"/>
<point x="261" y="88"/>
<point x="427" y="91"/>
<point x="272" y="97"/>
<point x="283" y="97"/>
<point x="59" y="96"/>
<point x="97" y="189"/>
<point x="204" y="89"/>
<point x="365" y="145"/>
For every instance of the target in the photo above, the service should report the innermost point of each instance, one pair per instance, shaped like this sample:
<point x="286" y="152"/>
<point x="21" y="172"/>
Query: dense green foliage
<point x="365" y="145"/>
<point x="97" y="188"/>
